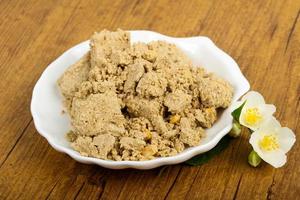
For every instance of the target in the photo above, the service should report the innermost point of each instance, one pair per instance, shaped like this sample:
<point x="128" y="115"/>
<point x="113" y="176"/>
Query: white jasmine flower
<point x="255" y="111"/>
<point x="271" y="142"/>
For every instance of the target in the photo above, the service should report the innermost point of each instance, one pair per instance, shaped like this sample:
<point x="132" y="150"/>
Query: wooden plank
<point x="285" y="75"/>
<point x="286" y="181"/>
<point x="262" y="35"/>
<point x="23" y="175"/>
<point x="18" y="29"/>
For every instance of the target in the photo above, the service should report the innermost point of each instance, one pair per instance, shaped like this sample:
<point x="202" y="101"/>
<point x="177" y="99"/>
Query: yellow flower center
<point x="269" y="143"/>
<point x="252" y="116"/>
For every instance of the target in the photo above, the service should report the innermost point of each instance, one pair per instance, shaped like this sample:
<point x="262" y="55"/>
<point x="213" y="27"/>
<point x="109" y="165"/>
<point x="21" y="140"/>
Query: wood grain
<point x="263" y="37"/>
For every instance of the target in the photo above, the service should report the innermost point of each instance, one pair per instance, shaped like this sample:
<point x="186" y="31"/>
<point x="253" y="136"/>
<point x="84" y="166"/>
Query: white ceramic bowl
<point x="46" y="103"/>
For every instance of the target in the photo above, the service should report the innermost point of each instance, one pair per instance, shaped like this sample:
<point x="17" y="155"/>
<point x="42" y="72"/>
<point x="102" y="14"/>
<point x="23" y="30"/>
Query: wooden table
<point x="263" y="37"/>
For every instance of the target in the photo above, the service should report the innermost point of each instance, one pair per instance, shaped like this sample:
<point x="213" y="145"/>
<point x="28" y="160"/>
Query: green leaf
<point x="237" y="112"/>
<point x="205" y="157"/>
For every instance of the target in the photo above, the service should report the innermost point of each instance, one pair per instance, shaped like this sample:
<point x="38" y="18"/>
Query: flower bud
<point x="254" y="159"/>
<point x="236" y="129"/>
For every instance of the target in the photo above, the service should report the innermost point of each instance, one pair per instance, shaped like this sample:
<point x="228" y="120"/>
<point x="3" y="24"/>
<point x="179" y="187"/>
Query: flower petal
<point x="275" y="158"/>
<point x="270" y="125"/>
<point x="253" y="98"/>
<point x="286" y="139"/>
<point x="267" y="110"/>
<point x="254" y="140"/>
<point x="270" y="108"/>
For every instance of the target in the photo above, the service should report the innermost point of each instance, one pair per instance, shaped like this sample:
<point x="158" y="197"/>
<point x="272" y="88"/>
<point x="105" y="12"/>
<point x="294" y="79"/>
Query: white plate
<point x="46" y="103"/>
